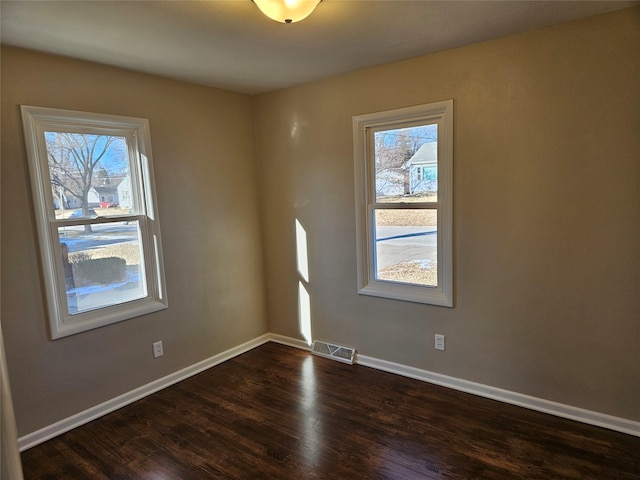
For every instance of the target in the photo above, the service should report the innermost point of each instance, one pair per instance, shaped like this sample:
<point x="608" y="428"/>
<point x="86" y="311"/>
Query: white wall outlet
<point x="157" y="349"/>
<point x="439" y="342"/>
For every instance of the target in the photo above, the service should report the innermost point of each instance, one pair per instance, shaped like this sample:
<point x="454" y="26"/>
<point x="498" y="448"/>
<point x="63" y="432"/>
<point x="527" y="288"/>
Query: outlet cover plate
<point x="158" y="351"/>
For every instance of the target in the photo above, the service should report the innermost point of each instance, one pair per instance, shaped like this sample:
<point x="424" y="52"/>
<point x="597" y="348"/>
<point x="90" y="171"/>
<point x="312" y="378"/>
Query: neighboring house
<point x="103" y="196"/>
<point x="93" y="198"/>
<point x="73" y="202"/>
<point x="420" y="174"/>
<point x="116" y="194"/>
<point x="423" y="169"/>
<point x="106" y="196"/>
<point x="68" y="201"/>
<point x="124" y="192"/>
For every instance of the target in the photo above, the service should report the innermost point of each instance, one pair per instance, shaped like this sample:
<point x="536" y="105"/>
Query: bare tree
<point x="74" y="160"/>
<point x="393" y="150"/>
<point x="392" y="155"/>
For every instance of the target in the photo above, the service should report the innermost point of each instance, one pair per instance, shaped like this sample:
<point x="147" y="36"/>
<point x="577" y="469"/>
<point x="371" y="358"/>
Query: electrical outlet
<point x="439" y="342"/>
<point x="157" y="349"/>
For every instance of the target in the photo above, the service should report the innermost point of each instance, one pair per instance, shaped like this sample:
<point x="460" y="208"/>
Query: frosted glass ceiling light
<point x="287" y="11"/>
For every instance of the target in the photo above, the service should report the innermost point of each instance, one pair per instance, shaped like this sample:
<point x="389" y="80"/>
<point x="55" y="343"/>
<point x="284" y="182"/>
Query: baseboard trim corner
<point x="291" y="342"/>
<point x="545" y="406"/>
<point x="39" y="436"/>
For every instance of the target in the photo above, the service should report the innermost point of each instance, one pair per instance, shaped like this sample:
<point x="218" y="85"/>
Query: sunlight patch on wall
<point x="304" y="300"/>
<point x="301" y="250"/>
<point x="304" y="313"/>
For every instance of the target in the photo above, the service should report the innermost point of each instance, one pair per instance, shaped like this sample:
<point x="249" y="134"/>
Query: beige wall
<point x="546" y="213"/>
<point x="203" y="146"/>
<point x="546" y="221"/>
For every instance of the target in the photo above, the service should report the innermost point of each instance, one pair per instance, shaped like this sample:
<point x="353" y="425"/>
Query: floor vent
<point x="336" y="352"/>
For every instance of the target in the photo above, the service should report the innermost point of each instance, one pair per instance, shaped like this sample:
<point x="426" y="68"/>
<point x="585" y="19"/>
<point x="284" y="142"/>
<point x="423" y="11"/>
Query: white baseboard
<point x="291" y="342"/>
<point x="565" y="411"/>
<point x="58" y="428"/>
<point x="533" y="403"/>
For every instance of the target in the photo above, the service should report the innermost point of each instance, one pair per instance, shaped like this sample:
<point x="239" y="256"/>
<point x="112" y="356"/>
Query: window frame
<point x="364" y="127"/>
<point x="38" y="120"/>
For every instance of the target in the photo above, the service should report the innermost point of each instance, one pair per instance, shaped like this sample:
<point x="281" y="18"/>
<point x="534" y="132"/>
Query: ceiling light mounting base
<point x="287" y="11"/>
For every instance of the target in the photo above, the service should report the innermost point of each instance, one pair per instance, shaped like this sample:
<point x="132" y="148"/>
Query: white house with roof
<point x="419" y="174"/>
<point x="423" y="169"/>
<point x="117" y="193"/>
<point x="124" y="192"/>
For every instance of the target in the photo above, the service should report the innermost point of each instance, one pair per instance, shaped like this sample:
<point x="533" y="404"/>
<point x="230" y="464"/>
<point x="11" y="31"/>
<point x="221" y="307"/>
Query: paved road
<point x="402" y="244"/>
<point x="105" y="234"/>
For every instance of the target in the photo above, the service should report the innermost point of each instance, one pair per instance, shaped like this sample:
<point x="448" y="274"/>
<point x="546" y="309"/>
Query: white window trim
<point x="363" y="126"/>
<point x="37" y="120"/>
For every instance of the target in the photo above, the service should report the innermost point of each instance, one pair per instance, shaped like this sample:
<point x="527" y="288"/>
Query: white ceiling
<point x="231" y="45"/>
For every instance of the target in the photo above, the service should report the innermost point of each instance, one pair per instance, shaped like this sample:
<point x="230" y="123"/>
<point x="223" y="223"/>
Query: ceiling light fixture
<point x="287" y="11"/>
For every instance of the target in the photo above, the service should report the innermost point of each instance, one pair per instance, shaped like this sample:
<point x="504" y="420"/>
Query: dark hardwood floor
<point x="279" y="413"/>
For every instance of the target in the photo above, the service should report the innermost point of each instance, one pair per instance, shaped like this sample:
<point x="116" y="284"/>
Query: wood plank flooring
<point x="279" y="413"/>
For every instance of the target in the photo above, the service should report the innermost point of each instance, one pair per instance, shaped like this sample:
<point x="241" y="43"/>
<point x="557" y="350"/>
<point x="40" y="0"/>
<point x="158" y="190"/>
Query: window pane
<point x="406" y="164"/>
<point x="406" y="246"/>
<point x="103" y="265"/>
<point x="89" y="174"/>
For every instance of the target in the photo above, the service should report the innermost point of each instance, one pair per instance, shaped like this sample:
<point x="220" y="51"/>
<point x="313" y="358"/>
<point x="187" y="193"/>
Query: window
<point x="404" y="183"/>
<point x="101" y="258"/>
